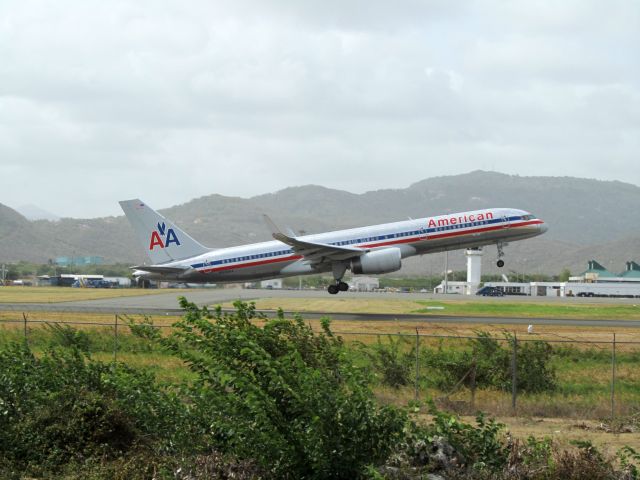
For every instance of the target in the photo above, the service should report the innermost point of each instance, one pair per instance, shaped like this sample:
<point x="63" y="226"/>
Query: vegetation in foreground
<point x="277" y="401"/>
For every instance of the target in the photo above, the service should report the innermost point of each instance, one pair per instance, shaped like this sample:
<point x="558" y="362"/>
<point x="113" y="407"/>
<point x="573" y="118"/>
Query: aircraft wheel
<point x="343" y="287"/>
<point x="333" y="289"/>
<point x="500" y="263"/>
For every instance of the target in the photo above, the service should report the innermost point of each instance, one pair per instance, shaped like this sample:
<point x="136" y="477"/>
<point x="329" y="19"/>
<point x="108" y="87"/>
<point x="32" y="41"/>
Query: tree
<point x="564" y="275"/>
<point x="12" y="273"/>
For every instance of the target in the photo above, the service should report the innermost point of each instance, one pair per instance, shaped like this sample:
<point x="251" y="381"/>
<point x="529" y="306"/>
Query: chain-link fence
<point x="508" y="373"/>
<point x="502" y="373"/>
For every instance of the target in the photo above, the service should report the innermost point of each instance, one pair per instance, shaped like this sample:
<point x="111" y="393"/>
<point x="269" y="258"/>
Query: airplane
<point x="371" y="250"/>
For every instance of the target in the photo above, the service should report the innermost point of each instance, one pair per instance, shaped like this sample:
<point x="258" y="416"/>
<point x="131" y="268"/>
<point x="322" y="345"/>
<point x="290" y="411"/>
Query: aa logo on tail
<point x="157" y="235"/>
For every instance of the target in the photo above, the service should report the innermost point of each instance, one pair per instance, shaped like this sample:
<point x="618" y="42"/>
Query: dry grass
<point x="459" y="307"/>
<point x="62" y="294"/>
<point x="582" y="337"/>
<point x="336" y="305"/>
<point x="80" y="320"/>
<point x="166" y="368"/>
<point x="564" y="431"/>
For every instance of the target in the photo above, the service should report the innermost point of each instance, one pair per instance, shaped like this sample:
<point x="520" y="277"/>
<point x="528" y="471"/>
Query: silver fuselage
<point x="275" y="259"/>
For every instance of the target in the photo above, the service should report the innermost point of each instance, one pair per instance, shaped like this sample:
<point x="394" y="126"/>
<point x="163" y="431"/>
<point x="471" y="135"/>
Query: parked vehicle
<point x="490" y="292"/>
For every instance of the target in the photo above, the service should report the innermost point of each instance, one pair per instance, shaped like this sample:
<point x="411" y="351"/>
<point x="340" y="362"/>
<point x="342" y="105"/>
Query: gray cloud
<point x="169" y="101"/>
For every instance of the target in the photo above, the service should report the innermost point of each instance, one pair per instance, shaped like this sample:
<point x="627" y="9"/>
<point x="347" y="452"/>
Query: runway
<point x="167" y="304"/>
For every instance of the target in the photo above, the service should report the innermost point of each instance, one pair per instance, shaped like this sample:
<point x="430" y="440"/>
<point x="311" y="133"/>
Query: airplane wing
<point x="315" y="252"/>
<point x="159" y="269"/>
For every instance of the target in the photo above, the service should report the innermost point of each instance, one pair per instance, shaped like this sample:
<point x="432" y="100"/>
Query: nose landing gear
<point x="500" y="262"/>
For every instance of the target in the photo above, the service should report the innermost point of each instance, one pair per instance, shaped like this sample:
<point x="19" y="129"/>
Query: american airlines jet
<point x="175" y="256"/>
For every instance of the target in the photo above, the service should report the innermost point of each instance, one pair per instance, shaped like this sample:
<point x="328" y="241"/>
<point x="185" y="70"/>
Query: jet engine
<point x="379" y="261"/>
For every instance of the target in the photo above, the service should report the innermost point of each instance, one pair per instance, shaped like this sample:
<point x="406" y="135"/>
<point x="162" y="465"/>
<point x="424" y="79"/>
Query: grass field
<point x="62" y="294"/>
<point x="499" y="308"/>
<point x="367" y="332"/>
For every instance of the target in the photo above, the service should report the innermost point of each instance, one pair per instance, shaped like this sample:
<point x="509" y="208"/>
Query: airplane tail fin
<point x="161" y="238"/>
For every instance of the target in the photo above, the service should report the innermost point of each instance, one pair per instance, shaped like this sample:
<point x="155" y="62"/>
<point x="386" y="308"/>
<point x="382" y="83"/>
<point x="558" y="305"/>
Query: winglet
<point x="272" y="226"/>
<point x="275" y="231"/>
<point x="291" y="233"/>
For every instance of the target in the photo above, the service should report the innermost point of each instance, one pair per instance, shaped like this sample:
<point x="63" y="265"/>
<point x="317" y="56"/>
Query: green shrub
<point x="390" y="360"/>
<point x="491" y="362"/>
<point x="286" y="400"/>
<point x="282" y="394"/>
<point x="69" y="337"/>
<point x="63" y="406"/>
<point x="478" y="447"/>
<point x="457" y="450"/>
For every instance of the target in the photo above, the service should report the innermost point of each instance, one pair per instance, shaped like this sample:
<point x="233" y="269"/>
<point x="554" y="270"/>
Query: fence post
<point x="115" y="339"/>
<point x="26" y="338"/>
<point x="613" y="378"/>
<point x="514" y="373"/>
<point x="474" y="368"/>
<point x="417" y="361"/>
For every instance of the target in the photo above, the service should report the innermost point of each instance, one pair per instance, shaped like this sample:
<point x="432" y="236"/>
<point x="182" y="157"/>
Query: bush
<point x="491" y="361"/>
<point x="390" y="361"/>
<point x="66" y="336"/>
<point x="451" y="447"/>
<point x="457" y="450"/>
<point x="280" y="400"/>
<point x="63" y="406"/>
<point x="281" y="394"/>
<point x="277" y="401"/>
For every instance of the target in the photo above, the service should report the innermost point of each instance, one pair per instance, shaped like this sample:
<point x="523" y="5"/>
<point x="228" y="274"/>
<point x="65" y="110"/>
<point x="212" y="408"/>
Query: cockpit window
<point x="528" y="217"/>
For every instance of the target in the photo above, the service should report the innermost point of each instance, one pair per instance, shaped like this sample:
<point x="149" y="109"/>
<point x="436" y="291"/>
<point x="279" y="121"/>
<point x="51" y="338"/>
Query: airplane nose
<point x="543" y="227"/>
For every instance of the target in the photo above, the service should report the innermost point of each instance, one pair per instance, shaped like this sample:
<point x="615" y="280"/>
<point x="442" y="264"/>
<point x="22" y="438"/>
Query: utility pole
<point x="446" y="272"/>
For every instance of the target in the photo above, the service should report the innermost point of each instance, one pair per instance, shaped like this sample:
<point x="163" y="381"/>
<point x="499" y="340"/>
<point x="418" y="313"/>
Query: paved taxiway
<point x="166" y="304"/>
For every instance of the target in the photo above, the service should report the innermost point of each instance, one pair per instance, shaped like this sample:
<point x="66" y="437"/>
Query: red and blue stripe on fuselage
<point x="420" y="238"/>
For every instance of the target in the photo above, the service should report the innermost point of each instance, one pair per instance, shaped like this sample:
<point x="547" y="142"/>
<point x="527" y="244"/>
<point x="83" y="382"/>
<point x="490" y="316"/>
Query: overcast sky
<point x="172" y="100"/>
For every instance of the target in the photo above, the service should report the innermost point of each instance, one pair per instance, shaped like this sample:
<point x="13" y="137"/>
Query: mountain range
<point x="586" y="218"/>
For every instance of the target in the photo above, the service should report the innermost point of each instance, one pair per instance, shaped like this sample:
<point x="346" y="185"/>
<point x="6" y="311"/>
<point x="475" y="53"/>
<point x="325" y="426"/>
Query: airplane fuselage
<point x="274" y="259"/>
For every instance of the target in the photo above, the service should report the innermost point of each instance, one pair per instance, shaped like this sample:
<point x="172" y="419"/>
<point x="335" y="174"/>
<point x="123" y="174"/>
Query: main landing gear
<point x="338" y="287"/>
<point x="338" y="272"/>
<point x="500" y="262"/>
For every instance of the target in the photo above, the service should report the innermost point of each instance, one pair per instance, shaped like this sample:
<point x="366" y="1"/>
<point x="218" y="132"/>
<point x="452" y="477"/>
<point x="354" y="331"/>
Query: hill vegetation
<point x="585" y="219"/>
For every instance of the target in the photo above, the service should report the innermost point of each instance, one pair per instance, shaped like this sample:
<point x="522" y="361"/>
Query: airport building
<point x="453" y="287"/>
<point x="275" y="283"/>
<point x="364" y="284"/>
<point x="89" y="281"/>
<point x="595" y="281"/>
